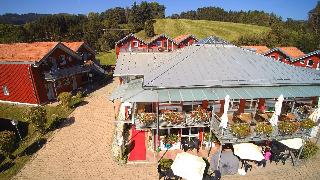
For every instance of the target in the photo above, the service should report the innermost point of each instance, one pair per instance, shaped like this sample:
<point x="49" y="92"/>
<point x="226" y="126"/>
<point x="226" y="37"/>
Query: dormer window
<point x="273" y="57"/>
<point x="135" y="44"/>
<point x="5" y="90"/>
<point x="310" y="63"/>
<point x="159" y="43"/>
<point x="63" y="60"/>
<point x="301" y="62"/>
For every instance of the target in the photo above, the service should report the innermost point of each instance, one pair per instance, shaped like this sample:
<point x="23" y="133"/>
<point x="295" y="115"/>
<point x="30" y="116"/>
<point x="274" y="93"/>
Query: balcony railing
<point x="228" y="136"/>
<point x="65" y="72"/>
<point x="166" y="120"/>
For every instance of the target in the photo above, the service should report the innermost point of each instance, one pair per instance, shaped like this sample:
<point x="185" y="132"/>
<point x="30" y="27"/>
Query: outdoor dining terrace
<point x="246" y="127"/>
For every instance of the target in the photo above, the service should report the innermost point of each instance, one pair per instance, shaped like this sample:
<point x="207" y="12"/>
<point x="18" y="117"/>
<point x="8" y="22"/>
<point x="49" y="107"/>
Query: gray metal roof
<point x="225" y="66"/>
<point x="134" y="92"/>
<point x="213" y="40"/>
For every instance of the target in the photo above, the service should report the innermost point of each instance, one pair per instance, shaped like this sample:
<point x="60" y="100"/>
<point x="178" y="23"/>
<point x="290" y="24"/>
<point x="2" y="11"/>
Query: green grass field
<point x="107" y="58"/>
<point x="203" y="28"/>
<point x="200" y="28"/>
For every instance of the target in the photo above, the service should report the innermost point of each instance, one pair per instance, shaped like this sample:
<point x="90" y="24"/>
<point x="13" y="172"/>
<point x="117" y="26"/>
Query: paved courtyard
<point x="82" y="150"/>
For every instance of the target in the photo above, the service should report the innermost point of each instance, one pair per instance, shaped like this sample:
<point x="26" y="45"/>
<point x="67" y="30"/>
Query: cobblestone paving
<point x="82" y="150"/>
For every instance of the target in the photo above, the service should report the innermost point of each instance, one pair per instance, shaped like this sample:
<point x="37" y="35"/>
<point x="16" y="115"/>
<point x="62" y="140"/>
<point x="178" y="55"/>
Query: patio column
<point x="221" y="106"/>
<point x="157" y="132"/>
<point x="242" y="105"/>
<point x="261" y="103"/>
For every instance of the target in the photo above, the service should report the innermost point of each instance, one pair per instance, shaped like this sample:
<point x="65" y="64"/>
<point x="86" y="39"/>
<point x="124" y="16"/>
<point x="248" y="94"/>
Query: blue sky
<point x="296" y="9"/>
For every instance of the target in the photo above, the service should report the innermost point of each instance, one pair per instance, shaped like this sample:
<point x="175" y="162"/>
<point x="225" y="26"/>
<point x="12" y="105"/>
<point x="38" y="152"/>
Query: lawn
<point x="29" y="145"/>
<point x="107" y="58"/>
<point x="203" y="28"/>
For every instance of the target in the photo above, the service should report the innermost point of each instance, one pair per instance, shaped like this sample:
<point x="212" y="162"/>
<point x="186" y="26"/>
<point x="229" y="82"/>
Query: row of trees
<point x="302" y="34"/>
<point x="219" y="14"/>
<point x="100" y="30"/>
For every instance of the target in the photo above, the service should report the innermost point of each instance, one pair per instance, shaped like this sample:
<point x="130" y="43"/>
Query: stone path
<point x="82" y="150"/>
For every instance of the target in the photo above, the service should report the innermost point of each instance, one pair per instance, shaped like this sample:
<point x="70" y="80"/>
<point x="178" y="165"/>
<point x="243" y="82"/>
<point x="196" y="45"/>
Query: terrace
<point x="65" y="72"/>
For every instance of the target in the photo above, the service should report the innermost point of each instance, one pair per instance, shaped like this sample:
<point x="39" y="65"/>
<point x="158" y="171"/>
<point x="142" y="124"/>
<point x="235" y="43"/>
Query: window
<point x="63" y="60"/>
<point x="234" y="105"/>
<point x="274" y="57"/>
<point x="5" y="90"/>
<point x="159" y="43"/>
<point x="250" y="104"/>
<point x="310" y="63"/>
<point x="301" y="62"/>
<point x="135" y="44"/>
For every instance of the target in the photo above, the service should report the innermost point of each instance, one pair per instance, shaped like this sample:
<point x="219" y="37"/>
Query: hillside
<point x="203" y="28"/>
<point x="200" y="28"/>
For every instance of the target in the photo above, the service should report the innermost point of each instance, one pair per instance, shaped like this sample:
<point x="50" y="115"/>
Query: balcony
<point x="65" y="72"/>
<point x="172" y="119"/>
<point x="258" y="128"/>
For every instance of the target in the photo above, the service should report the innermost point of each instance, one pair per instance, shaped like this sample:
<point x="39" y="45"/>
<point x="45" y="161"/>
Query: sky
<point x="295" y="9"/>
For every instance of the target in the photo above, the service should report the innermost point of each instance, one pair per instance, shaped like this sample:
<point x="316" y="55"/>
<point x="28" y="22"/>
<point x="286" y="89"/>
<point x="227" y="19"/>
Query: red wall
<point x="315" y="58"/>
<point x="187" y="41"/>
<point x="125" y="45"/>
<point x="154" y="46"/>
<point x="279" y="56"/>
<point x="17" y="77"/>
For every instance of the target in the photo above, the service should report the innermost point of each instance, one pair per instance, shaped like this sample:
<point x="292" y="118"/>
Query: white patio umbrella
<point x="248" y="151"/>
<point x="315" y="117"/>
<point x="274" y="119"/>
<point x="224" y="117"/>
<point x="295" y="143"/>
<point x="188" y="166"/>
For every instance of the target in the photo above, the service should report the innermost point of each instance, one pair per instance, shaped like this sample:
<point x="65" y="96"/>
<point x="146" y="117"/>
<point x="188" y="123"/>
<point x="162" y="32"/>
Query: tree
<point x="93" y="29"/>
<point x="314" y="18"/>
<point x="149" y="28"/>
<point x="135" y="20"/>
<point x="6" y="142"/>
<point x="37" y="117"/>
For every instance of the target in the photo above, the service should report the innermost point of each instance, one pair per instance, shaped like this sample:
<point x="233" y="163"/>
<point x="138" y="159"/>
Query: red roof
<point x="25" y="52"/>
<point x="293" y="52"/>
<point x="258" y="49"/>
<point x="73" y="45"/>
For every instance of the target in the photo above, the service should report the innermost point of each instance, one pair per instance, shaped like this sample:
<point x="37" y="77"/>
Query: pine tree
<point x="149" y="28"/>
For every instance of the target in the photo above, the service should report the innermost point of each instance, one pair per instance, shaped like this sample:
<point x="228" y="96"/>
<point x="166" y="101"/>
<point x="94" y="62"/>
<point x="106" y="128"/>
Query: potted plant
<point x="170" y="139"/>
<point x="146" y="118"/>
<point x="288" y="127"/>
<point x="173" y="117"/>
<point x="209" y="139"/>
<point x="263" y="129"/>
<point x="307" y="124"/>
<point x="240" y="130"/>
<point x="310" y="149"/>
<point x="200" y="114"/>
<point x="165" y="164"/>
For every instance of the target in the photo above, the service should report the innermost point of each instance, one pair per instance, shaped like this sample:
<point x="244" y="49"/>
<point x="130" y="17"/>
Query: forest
<point x="102" y="30"/>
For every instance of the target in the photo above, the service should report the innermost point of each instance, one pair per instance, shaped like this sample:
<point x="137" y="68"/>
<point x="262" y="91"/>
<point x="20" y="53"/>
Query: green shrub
<point x="310" y="149"/>
<point x="207" y="137"/>
<point x="7" y="139"/>
<point x="37" y="117"/>
<point x="77" y="99"/>
<point x="165" y="164"/>
<point x="307" y="124"/>
<point x="54" y="122"/>
<point x="65" y="99"/>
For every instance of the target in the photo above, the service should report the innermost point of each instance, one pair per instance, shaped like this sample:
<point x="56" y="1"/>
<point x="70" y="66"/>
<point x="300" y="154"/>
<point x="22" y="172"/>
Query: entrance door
<point x="50" y="91"/>
<point x="74" y="83"/>
<point x="137" y="145"/>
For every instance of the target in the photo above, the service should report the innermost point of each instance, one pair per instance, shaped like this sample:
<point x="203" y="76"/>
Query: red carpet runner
<point x="138" y="151"/>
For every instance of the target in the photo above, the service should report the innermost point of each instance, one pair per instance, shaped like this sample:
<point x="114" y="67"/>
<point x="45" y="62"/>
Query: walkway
<point x="83" y="149"/>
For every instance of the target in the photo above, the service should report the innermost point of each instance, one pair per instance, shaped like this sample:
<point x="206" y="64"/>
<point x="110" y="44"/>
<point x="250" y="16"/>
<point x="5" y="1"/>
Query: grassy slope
<point x="202" y="28"/>
<point x="107" y="58"/>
